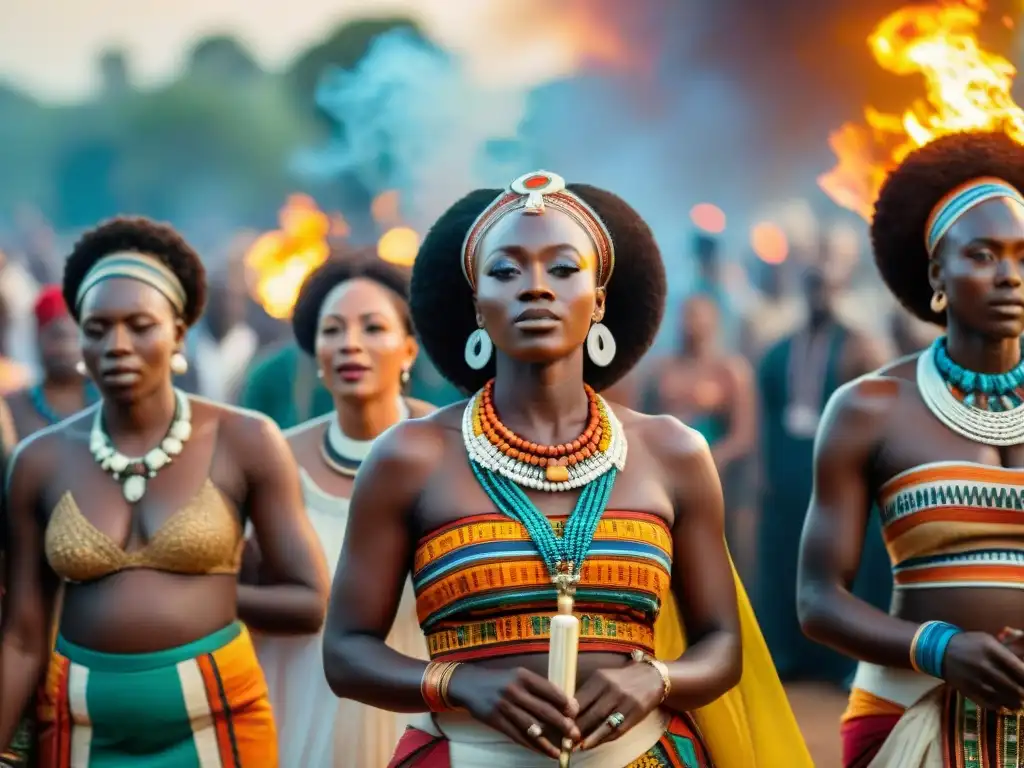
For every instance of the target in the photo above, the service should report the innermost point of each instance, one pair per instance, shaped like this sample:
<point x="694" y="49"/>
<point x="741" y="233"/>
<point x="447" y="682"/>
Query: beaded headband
<point x="530" y="193"/>
<point x="135" y="266"/>
<point x="959" y="201"/>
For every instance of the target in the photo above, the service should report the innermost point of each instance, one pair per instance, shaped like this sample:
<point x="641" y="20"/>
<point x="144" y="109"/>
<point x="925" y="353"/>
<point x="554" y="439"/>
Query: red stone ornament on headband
<point x="533" y="193"/>
<point x="50" y="305"/>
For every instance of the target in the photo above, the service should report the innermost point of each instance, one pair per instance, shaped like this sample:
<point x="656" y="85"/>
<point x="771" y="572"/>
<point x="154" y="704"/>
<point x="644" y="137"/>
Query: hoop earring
<point x="479" y="348"/>
<point x="179" y="364"/>
<point x="81" y="370"/>
<point x="939" y="302"/>
<point x="600" y="345"/>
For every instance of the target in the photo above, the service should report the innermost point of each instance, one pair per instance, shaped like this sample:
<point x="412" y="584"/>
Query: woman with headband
<point x="520" y="502"/>
<point x="352" y="317"/>
<point x="125" y="530"/>
<point x="937" y="439"/>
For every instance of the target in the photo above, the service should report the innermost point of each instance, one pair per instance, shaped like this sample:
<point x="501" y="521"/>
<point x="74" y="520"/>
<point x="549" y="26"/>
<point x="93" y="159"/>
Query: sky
<point x="49" y="47"/>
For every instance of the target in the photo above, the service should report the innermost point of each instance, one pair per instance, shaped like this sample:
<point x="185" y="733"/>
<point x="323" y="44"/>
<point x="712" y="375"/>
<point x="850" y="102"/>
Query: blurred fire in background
<point x="967" y="88"/>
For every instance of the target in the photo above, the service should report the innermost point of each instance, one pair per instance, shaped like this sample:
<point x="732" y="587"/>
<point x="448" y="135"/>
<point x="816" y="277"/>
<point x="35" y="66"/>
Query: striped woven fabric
<point x="482" y="590"/>
<point x="954" y="524"/>
<point x="203" y="705"/>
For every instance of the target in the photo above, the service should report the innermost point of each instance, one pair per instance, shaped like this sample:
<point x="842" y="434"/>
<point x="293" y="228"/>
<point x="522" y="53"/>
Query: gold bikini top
<point x="202" y="537"/>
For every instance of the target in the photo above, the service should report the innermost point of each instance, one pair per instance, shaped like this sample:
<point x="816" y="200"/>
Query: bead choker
<point x="985" y="408"/>
<point x="133" y="473"/>
<point x="344" y="454"/>
<point x="599" y="448"/>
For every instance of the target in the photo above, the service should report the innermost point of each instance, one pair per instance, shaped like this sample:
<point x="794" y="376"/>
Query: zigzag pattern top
<point x="955" y="524"/>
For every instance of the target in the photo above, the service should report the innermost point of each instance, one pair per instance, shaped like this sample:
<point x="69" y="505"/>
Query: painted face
<point x="129" y="330"/>
<point x="978" y="264"/>
<point x="536" y="286"/>
<point x="363" y="344"/>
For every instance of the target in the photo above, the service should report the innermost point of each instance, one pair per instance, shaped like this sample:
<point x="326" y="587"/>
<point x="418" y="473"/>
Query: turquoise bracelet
<point x="928" y="648"/>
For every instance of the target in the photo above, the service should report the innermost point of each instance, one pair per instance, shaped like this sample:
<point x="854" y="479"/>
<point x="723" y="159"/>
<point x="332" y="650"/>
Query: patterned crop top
<point x="202" y="537"/>
<point x="482" y="590"/>
<point x="955" y="524"/>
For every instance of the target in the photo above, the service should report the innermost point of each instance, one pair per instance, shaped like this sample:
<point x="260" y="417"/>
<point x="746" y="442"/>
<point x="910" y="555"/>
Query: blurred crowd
<point x="750" y="356"/>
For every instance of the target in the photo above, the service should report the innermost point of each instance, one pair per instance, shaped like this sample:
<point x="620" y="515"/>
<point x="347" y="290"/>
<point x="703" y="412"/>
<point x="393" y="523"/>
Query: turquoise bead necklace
<point x="38" y="399"/>
<point x="986" y="391"/>
<point x="563" y="555"/>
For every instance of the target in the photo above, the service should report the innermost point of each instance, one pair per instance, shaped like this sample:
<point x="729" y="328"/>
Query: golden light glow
<point x="399" y="246"/>
<point x="386" y="209"/>
<point x="708" y="218"/>
<point x="966" y="88"/>
<point x="769" y="243"/>
<point x="278" y="261"/>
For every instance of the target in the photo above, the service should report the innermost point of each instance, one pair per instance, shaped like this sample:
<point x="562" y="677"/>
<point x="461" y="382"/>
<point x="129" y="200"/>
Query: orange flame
<point x="280" y="260"/>
<point x="966" y="89"/>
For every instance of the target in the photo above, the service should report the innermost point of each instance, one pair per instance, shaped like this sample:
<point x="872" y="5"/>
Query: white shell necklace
<point x="989" y="427"/>
<point x="131" y="472"/>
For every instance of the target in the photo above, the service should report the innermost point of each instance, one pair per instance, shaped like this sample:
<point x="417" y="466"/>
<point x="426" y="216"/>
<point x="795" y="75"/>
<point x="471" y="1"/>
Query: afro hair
<point x="339" y="269"/>
<point x="442" y="300"/>
<point x="912" y="191"/>
<point x="139" y="235"/>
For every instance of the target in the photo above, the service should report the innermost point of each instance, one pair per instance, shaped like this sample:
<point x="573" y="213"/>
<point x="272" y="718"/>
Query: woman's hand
<point x="985" y="671"/>
<point x="631" y="692"/>
<point x="514" y="702"/>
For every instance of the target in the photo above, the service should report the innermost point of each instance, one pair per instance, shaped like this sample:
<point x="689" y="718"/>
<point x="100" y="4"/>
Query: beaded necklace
<point x="983" y="407"/>
<point x="37" y="397"/>
<point x="598" y="449"/>
<point x="503" y="462"/>
<point x="987" y="391"/>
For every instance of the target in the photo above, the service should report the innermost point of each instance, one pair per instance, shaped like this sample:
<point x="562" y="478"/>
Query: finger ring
<point x="534" y="731"/>
<point x="616" y="720"/>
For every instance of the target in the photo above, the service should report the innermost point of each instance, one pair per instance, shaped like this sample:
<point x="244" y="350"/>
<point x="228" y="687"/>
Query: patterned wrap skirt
<point x="680" y="746"/>
<point x="200" y="705"/>
<point x="902" y="719"/>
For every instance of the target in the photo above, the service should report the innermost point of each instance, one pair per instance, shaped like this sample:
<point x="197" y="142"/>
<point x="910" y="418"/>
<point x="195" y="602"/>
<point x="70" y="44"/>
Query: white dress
<point x="315" y="729"/>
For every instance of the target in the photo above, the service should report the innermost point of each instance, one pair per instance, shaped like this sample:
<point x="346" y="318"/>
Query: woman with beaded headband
<point x="535" y="299"/>
<point x="937" y="439"/>
<point x="352" y="316"/>
<point x="123" y="570"/>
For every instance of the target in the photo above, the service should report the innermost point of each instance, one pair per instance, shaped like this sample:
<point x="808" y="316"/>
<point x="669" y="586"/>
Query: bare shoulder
<point x="414" y="448"/>
<point x="39" y="454"/>
<point x="738" y="368"/>
<point x="862" y="408"/>
<point x="677" y="446"/>
<point x="419" y="408"/>
<point x="249" y="430"/>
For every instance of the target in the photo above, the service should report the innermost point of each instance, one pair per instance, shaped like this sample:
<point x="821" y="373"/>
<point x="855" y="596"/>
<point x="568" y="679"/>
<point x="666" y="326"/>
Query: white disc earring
<point x="600" y="345"/>
<point x="81" y="370"/>
<point x="179" y="364"/>
<point x="404" y="378"/>
<point x="478" y="349"/>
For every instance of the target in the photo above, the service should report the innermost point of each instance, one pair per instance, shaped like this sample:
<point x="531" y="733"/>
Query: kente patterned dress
<point x="484" y="590"/>
<point x="200" y="705"/>
<point x="945" y="525"/>
<point x="316" y="728"/>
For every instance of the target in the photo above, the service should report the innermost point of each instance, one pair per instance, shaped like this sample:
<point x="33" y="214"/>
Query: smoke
<point x="413" y="121"/>
<point x="667" y="103"/>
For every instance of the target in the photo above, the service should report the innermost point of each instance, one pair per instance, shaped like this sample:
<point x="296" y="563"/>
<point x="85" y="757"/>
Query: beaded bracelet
<point x="434" y="685"/>
<point x="928" y="648"/>
<point x="666" y="680"/>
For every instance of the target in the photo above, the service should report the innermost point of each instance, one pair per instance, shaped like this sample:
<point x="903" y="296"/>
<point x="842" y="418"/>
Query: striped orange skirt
<point x="201" y="705"/>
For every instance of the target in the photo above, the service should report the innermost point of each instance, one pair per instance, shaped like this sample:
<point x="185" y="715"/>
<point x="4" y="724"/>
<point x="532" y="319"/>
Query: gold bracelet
<point x="666" y="680"/>
<point x="434" y="685"/>
<point x="913" y="647"/>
